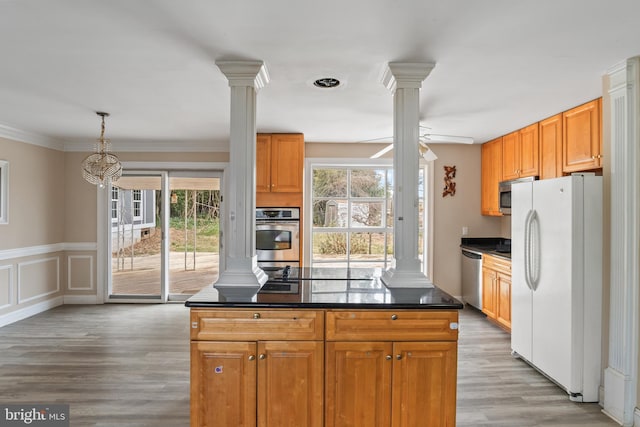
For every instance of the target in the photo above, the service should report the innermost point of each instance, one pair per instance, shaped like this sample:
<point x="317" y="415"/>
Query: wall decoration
<point x="449" y="185"/>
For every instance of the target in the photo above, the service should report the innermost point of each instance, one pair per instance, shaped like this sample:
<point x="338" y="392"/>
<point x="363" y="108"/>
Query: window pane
<point x="329" y="183"/>
<point x="329" y="246"/>
<point x="330" y="213"/>
<point x="366" y="246"/>
<point x="367" y="183"/>
<point x="366" y="214"/>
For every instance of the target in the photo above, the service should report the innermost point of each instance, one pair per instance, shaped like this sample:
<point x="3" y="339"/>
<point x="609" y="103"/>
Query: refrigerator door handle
<point x="527" y="248"/>
<point x="534" y="251"/>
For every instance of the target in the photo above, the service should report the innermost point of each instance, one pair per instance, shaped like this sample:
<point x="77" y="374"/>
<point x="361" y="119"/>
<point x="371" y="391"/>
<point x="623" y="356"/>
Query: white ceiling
<point x="500" y="64"/>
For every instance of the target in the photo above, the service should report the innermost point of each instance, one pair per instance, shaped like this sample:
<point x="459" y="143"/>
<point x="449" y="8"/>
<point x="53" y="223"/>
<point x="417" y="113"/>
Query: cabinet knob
<point x="388" y="357"/>
<point x="398" y="357"/>
<point x="394" y="317"/>
<point x="252" y="357"/>
<point x="262" y="356"/>
<point x="256" y="315"/>
<point x="593" y="157"/>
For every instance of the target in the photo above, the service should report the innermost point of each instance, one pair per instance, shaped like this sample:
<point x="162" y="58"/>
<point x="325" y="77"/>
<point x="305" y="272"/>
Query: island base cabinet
<point x="263" y="384"/>
<point x="399" y="384"/>
<point x="223" y="384"/>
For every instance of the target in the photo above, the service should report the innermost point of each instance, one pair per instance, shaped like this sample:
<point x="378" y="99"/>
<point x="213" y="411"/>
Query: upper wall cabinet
<point x="582" y="148"/>
<point x="551" y="147"/>
<point x="279" y="162"/>
<point x="491" y="176"/>
<point x="520" y="153"/>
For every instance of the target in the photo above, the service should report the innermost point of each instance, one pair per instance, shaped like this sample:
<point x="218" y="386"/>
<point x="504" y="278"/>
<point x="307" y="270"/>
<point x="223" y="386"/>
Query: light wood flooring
<point x="128" y="365"/>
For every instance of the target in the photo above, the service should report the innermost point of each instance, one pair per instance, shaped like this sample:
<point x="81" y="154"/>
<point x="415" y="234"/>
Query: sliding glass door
<point x="164" y="235"/>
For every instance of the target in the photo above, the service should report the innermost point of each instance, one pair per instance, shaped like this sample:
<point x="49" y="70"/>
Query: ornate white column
<point x="404" y="80"/>
<point x="621" y="375"/>
<point x="241" y="277"/>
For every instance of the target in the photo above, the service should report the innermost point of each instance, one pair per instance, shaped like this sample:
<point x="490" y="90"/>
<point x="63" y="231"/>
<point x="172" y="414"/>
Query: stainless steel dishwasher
<point x="472" y="278"/>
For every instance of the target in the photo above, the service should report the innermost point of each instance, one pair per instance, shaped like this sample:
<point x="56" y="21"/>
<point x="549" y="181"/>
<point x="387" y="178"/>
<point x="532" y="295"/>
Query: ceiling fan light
<point x="426" y="152"/>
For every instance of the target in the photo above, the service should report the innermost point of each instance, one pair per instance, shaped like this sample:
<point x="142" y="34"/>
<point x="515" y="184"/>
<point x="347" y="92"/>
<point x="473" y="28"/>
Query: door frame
<point x="103" y="249"/>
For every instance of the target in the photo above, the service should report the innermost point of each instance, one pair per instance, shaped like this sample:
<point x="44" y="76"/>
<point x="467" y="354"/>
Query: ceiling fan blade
<point x="382" y="139"/>
<point x="382" y="152"/>
<point x="448" y="138"/>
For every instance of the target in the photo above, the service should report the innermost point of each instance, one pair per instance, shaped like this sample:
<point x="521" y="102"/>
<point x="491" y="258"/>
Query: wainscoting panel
<point x="80" y="273"/>
<point x="6" y="285"/>
<point x="38" y="278"/>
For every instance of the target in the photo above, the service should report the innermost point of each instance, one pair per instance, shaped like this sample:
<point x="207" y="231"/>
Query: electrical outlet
<point x="465" y="231"/>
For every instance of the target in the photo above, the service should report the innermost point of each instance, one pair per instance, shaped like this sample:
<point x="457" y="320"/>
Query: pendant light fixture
<point x="102" y="166"/>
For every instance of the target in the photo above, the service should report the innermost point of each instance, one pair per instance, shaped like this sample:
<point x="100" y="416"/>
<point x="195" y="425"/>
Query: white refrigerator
<point x="556" y="295"/>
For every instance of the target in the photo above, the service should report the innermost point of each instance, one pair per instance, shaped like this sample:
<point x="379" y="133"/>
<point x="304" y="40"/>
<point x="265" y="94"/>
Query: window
<point x="4" y="192"/>
<point x="115" y="192"/>
<point x="352" y="216"/>
<point x="137" y="204"/>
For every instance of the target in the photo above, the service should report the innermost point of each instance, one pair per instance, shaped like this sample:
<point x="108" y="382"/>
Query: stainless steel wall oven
<point x="278" y="237"/>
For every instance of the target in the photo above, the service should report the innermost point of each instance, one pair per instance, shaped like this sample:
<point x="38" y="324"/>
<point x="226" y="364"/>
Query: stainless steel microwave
<point x="504" y="193"/>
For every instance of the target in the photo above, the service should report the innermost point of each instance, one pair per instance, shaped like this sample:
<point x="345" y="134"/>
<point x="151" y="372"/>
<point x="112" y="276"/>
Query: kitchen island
<point x="324" y="347"/>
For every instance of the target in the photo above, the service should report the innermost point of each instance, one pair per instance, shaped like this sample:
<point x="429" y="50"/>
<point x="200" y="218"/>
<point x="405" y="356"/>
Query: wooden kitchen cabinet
<point x="491" y="176"/>
<point x="274" y="380"/>
<point x="496" y="290"/>
<point x="373" y="383"/>
<point x="520" y="153"/>
<point x="582" y="140"/>
<point x="279" y="163"/>
<point x="551" y="147"/>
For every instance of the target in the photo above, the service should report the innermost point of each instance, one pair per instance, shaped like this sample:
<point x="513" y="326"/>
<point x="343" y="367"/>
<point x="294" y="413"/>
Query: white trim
<point x="148" y="167"/>
<point x="4" y="192"/>
<point x="138" y="146"/>
<point x="43" y="260"/>
<point x="29" y="311"/>
<point x="83" y="288"/>
<point x="46" y="249"/>
<point x="81" y="299"/>
<point x="19" y="135"/>
<point x="636" y="417"/>
<point x="10" y="289"/>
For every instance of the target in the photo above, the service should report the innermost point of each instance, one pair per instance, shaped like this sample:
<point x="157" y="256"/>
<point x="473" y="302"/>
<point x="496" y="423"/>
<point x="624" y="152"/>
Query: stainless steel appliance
<point x="278" y="237"/>
<point x="504" y="193"/>
<point x="472" y="278"/>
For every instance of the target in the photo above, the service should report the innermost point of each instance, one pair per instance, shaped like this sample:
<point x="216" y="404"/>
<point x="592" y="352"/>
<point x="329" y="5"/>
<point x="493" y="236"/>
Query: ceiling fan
<point x="424" y="149"/>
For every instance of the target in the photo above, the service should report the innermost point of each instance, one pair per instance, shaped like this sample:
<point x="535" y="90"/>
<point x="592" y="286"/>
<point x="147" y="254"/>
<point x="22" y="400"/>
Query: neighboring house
<point x="133" y="216"/>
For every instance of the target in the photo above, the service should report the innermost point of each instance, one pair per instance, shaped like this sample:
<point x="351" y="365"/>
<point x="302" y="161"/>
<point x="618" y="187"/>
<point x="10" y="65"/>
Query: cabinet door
<point x="491" y="176"/>
<point x="424" y="384"/>
<point x="582" y="141"/>
<point x="223" y="384"/>
<point x="489" y="292"/>
<point x="503" y="290"/>
<point x="290" y="383"/>
<point x="263" y="163"/>
<point x="287" y="162"/>
<point x="511" y="156"/>
<point x="529" y="151"/>
<point x="358" y="384"/>
<point x="551" y="147"/>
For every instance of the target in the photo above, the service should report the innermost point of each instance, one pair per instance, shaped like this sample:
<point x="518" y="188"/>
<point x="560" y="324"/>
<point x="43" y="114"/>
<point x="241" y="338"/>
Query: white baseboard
<point x="636" y="417"/>
<point x="29" y="311"/>
<point x="81" y="299"/>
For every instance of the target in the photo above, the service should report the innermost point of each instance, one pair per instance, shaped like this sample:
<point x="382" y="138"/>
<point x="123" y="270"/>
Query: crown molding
<point x="144" y="146"/>
<point x="33" y="138"/>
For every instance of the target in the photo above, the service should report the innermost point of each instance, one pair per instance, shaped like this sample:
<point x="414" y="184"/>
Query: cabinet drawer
<point x="255" y="325"/>
<point x="389" y="325"/>
<point x="496" y="263"/>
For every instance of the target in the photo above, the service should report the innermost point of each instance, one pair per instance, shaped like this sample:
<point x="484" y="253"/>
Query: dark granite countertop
<point x="332" y="288"/>
<point x="496" y="246"/>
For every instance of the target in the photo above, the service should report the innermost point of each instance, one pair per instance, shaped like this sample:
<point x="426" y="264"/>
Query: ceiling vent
<point x="327" y="83"/>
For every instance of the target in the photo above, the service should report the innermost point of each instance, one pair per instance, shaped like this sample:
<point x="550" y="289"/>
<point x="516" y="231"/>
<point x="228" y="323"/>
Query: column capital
<point x="398" y="75"/>
<point x="245" y="73"/>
